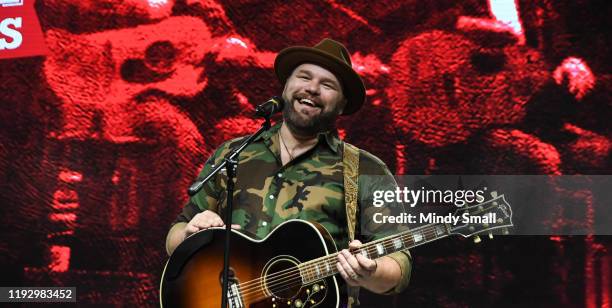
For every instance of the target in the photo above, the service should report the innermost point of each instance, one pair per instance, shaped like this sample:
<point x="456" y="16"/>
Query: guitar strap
<point x="350" y="163"/>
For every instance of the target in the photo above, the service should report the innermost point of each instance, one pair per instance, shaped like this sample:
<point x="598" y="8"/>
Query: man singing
<point x="295" y="169"/>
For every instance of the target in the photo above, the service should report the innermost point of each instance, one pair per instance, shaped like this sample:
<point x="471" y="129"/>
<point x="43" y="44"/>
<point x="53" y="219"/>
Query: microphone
<point x="270" y="107"/>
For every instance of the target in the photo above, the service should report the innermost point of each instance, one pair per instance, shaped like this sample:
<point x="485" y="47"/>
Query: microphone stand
<point x="230" y="162"/>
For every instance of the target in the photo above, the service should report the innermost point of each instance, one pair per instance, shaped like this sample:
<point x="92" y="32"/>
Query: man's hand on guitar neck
<point x="378" y="276"/>
<point x="180" y="231"/>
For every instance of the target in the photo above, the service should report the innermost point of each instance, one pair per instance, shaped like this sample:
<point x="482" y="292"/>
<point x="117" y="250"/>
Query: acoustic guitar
<point x="294" y="265"/>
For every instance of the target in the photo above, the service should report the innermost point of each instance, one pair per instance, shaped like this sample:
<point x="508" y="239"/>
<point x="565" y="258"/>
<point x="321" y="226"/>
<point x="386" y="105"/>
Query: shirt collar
<point x="332" y="139"/>
<point x="329" y="137"/>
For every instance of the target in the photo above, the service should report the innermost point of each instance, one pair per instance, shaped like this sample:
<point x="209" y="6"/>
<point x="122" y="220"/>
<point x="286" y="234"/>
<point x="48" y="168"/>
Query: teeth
<point x="308" y="102"/>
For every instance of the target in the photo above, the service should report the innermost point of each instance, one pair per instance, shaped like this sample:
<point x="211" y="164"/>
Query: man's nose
<point x="312" y="88"/>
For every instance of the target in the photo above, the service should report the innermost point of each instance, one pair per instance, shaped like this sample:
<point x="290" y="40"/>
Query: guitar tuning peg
<point x="477" y="239"/>
<point x="490" y="235"/>
<point x="505" y="231"/>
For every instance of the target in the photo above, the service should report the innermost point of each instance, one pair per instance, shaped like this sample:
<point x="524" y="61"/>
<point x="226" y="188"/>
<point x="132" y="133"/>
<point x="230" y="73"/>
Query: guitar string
<point x="367" y="246"/>
<point x="424" y="230"/>
<point x="295" y="281"/>
<point x="276" y="281"/>
<point x="306" y="267"/>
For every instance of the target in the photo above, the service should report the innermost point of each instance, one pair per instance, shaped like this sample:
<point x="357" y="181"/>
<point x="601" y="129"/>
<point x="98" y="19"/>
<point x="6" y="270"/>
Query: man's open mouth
<point x="308" y="102"/>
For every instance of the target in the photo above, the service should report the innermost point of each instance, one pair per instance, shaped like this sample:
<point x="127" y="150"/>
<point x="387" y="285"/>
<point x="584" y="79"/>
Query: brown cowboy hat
<point x="334" y="57"/>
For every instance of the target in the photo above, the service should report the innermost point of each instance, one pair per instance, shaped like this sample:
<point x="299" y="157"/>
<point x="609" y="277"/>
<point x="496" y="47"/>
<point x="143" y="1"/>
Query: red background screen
<point x="101" y="137"/>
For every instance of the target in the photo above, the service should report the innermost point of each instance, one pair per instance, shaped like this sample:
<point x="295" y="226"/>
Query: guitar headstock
<point x="483" y="218"/>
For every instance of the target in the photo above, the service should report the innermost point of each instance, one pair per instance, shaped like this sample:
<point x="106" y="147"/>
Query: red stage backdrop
<point x="101" y="136"/>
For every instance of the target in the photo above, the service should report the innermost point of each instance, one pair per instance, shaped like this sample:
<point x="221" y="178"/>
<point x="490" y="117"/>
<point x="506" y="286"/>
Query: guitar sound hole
<point x="282" y="278"/>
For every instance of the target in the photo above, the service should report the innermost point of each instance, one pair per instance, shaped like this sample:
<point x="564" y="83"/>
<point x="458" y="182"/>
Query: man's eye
<point x="328" y="86"/>
<point x="304" y="77"/>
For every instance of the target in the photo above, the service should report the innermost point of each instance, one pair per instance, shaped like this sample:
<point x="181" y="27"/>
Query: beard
<point x="308" y="126"/>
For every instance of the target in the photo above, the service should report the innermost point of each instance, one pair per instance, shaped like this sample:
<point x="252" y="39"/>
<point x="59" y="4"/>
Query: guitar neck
<point x="324" y="267"/>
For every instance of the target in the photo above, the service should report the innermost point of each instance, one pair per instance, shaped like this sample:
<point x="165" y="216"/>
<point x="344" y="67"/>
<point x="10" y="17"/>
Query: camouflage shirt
<point x="310" y="187"/>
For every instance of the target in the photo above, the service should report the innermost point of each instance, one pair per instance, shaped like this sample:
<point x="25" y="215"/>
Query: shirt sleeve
<point x="210" y="194"/>
<point x="404" y="259"/>
<point x="375" y="176"/>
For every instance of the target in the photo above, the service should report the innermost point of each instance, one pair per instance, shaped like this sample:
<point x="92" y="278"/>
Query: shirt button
<point x="263" y="223"/>
<point x="271" y="197"/>
<point x="280" y="175"/>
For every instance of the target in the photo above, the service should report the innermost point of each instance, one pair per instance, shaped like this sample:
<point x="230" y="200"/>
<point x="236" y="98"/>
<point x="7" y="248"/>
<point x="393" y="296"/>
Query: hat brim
<point x="354" y="90"/>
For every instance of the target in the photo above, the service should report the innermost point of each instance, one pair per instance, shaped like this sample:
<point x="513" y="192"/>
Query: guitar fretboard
<point x="324" y="267"/>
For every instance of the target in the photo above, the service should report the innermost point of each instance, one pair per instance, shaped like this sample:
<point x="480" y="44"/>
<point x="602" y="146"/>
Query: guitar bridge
<point x="234" y="298"/>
